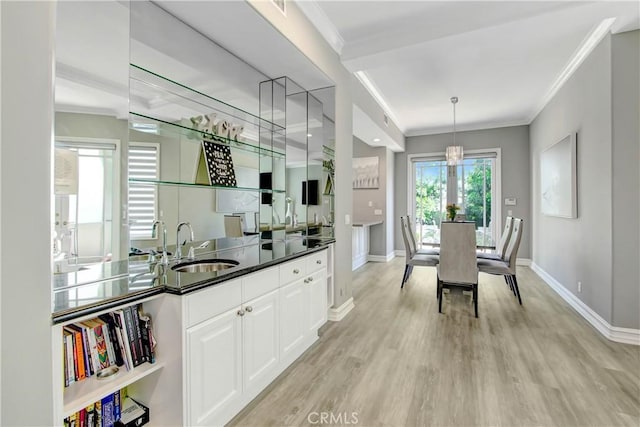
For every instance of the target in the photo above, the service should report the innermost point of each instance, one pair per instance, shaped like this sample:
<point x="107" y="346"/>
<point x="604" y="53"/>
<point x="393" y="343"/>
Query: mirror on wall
<point x="90" y="128"/>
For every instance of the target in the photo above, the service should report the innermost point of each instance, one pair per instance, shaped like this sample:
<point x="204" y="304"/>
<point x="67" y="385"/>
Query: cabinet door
<point x="317" y="288"/>
<point x="260" y="335"/>
<point x="293" y="317"/>
<point x="214" y="370"/>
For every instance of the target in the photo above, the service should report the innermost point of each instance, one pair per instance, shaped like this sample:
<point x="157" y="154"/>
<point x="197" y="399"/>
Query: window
<point x="472" y="185"/>
<point x="144" y="165"/>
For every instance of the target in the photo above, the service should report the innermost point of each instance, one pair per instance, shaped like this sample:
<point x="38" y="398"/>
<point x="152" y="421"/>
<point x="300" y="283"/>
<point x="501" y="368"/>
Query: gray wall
<point x="625" y="50"/>
<point x="378" y="198"/>
<point x="514" y="145"/>
<point x="573" y="250"/>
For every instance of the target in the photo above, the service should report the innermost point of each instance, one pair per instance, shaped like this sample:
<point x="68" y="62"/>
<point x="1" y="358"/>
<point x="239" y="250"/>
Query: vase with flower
<point x="452" y="210"/>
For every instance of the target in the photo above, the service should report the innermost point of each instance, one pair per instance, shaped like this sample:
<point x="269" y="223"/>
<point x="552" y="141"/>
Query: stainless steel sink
<point x="205" y="266"/>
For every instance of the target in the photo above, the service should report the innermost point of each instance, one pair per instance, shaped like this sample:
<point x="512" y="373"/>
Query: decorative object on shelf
<point x="452" y="210"/>
<point x="215" y="166"/>
<point x="235" y="132"/>
<point x="454" y="153"/>
<point x="365" y="172"/>
<point x="223" y="129"/>
<point x="209" y="126"/>
<point x="558" y="183"/>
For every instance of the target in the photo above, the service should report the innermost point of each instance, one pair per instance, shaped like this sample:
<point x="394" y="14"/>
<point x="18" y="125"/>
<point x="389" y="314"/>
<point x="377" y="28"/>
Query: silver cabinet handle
<point x="319" y="262"/>
<point x="296" y="271"/>
<point x="249" y="309"/>
<point x="240" y="312"/>
<point x="310" y="279"/>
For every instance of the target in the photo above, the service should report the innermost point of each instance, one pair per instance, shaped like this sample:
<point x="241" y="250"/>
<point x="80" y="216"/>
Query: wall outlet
<point x="347" y="219"/>
<point x="509" y="212"/>
<point x="579" y="287"/>
<point x="377" y="212"/>
<point x="370" y="204"/>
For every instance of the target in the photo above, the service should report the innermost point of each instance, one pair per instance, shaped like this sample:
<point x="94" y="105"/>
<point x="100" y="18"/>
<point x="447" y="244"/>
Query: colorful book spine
<point x="107" y="411"/>
<point x="117" y="407"/>
<point x="136" y="352"/>
<point x="121" y="322"/>
<point x="145" y="325"/>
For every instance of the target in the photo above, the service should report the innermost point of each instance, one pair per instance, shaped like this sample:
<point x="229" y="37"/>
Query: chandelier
<point x="454" y="153"/>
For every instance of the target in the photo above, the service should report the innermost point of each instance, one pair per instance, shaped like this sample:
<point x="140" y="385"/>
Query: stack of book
<point x="103" y="413"/>
<point x="122" y="338"/>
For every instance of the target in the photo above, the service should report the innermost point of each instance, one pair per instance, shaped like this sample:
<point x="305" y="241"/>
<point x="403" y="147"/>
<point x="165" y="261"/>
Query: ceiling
<point x="502" y="59"/>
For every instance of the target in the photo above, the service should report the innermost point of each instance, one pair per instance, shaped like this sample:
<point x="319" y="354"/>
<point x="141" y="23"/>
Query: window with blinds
<point x="144" y="164"/>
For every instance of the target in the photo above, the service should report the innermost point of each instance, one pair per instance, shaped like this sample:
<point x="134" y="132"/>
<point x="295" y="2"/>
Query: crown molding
<point x="323" y="24"/>
<point x="584" y="50"/>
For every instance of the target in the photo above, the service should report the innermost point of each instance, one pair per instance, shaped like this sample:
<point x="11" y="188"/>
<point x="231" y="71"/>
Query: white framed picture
<point x="366" y="173"/>
<point x="558" y="180"/>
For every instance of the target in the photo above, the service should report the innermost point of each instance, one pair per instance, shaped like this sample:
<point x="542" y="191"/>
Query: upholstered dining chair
<point x="457" y="266"/>
<point x="412" y="258"/>
<point x="507" y="266"/>
<point x="412" y="236"/>
<point x="501" y="247"/>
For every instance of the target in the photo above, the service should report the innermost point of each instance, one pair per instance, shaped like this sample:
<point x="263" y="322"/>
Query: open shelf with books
<point x="113" y="340"/>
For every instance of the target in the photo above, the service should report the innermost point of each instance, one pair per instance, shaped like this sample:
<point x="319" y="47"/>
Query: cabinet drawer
<point x="316" y="261"/>
<point x="293" y="270"/>
<point x="212" y="301"/>
<point x="259" y="283"/>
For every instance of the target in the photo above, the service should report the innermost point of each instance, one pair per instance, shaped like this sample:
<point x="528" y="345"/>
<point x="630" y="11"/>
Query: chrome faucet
<point x="154" y="235"/>
<point x="178" y="245"/>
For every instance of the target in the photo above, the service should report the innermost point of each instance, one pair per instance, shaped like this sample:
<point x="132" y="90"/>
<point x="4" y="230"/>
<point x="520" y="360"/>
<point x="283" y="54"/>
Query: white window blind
<point x="144" y="164"/>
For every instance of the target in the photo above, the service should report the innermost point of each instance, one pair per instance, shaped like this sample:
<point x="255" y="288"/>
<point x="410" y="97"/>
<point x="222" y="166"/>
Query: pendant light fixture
<point x="454" y="153"/>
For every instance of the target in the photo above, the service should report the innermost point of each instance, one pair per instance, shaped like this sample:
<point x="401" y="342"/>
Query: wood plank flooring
<point x="394" y="361"/>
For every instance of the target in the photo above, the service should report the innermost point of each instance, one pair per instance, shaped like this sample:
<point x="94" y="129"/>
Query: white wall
<point x="573" y="250"/>
<point x="27" y="109"/>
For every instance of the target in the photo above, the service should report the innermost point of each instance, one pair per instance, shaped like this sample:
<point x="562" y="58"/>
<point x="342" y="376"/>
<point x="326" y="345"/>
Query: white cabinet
<point x="293" y="314"/>
<point x="214" y="369"/>
<point x="254" y="328"/>
<point x="261" y="340"/>
<point x="317" y="290"/>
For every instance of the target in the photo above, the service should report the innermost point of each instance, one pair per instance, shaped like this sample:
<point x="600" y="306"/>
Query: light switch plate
<point x="377" y="211"/>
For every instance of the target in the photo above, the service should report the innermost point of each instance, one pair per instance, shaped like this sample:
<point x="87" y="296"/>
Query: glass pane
<point x="431" y="195"/>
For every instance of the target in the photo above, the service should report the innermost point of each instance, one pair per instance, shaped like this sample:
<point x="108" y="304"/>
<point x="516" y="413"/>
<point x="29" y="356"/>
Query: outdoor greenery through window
<point x="474" y="178"/>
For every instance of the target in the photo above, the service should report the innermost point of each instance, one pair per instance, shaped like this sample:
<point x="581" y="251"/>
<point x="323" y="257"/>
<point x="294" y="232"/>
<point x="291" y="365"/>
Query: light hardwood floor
<point x="395" y="361"/>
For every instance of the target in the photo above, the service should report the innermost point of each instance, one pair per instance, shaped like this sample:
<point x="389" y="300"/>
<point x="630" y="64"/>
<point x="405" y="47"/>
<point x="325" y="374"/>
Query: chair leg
<point x="506" y="279"/>
<point x="475" y="298"/>
<point x="404" y="276"/>
<point x="515" y="283"/>
<point x="513" y="288"/>
<point x="439" y="296"/>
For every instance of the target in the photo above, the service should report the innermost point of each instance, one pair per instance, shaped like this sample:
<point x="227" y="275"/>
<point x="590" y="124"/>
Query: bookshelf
<point x="142" y="381"/>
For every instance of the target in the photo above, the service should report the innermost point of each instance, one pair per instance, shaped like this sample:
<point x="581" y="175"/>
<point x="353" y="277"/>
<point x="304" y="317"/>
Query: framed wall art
<point x="558" y="179"/>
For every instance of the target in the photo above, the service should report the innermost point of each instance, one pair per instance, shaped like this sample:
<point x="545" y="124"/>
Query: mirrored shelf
<point x="152" y="90"/>
<point x="328" y="151"/>
<point x="191" y="184"/>
<point x="143" y="123"/>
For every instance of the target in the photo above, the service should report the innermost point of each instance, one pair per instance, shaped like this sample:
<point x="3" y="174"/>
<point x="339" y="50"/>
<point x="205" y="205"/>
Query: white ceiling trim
<point x="323" y="24"/>
<point x="375" y="92"/>
<point x="584" y="50"/>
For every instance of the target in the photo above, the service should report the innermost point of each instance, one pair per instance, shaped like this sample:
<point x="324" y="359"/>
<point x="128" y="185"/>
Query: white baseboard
<point x="613" y="333"/>
<point x="358" y="262"/>
<point x="382" y="258"/>
<point x="525" y="262"/>
<point x="339" y="313"/>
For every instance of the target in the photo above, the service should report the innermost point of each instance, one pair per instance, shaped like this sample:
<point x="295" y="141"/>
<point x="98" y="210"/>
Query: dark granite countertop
<point x="134" y="281"/>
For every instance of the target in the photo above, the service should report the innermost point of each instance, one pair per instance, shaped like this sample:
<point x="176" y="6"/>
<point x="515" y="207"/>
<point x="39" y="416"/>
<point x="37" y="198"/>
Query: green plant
<point x="452" y="210"/>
